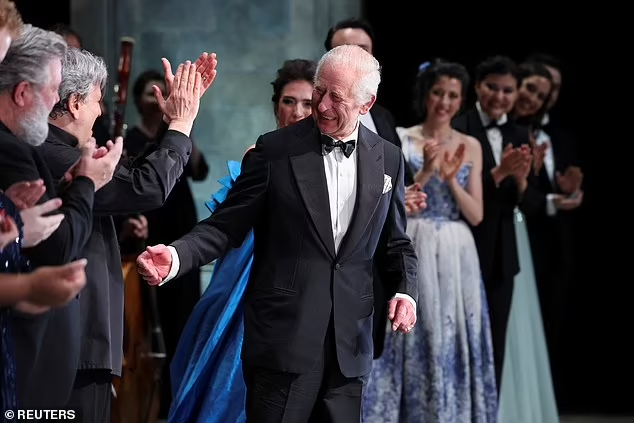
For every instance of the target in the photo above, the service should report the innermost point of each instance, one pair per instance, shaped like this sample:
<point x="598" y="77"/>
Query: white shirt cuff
<point x="551" y="209"/>
<point x="176" y="264"/>
<point x="407" y="297"/>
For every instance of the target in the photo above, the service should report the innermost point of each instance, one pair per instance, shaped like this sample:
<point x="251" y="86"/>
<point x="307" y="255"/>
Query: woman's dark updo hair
<point x="140" y="83"/>
<point x="526" y="70"/>
<point x="292" y="70"/>
<point x="429" y="74"/>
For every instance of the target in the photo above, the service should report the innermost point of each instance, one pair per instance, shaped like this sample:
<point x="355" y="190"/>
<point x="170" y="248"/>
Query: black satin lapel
<point x="370" y="178"/>
<point x="481" y="135"/>
<point x="310" y="175"/>
<point x="381" y="125"/>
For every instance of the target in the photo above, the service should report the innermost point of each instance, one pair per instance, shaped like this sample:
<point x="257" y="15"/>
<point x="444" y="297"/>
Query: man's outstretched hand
<point x="154" y="264"/>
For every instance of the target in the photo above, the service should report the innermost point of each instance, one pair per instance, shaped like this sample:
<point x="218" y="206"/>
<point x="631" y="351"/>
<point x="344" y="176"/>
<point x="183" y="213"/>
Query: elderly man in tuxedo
<point x="325" y="197"/>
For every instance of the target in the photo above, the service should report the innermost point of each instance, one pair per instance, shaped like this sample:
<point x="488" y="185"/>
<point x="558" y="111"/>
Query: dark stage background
<point x="598" y="353"/>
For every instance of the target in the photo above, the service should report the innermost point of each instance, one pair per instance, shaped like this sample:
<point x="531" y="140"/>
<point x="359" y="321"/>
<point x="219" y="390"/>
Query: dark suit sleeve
<point x="146" y="182"/>
<point x="231" y="222"/>
<point x="505" y="194"/>
<point x="533" y="201"/>
<point x="67" y="242"/>
<point x="395" y="257"/>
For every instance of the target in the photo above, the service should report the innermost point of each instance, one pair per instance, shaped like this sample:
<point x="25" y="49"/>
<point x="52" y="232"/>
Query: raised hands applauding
<point x="181" y="102"/>
<point x="452" y="163"/>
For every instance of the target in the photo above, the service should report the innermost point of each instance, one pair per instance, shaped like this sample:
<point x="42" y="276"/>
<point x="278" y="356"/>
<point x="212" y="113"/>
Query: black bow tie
<point x="493" y="124"/>
<point x="329" y="144"/>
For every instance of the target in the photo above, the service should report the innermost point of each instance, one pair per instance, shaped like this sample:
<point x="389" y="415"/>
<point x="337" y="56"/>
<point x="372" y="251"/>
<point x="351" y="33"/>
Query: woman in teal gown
<point x="526" y="392"/>
<point x="206" y="371"/>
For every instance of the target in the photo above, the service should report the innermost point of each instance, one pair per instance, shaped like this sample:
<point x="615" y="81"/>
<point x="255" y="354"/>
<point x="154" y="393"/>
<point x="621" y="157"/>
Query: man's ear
<point x="367" y="106"/>
<point x="74" y="105"/>
<point x="23" y="93"/>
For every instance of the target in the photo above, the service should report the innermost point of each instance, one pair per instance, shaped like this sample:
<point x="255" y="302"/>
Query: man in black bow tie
<point x="325" y="197"/>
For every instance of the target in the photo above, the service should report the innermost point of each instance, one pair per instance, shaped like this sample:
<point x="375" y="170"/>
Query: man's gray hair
<point x="29" y="56"/>
<point x="81" y="71"/>
<point x="362" y="63"/>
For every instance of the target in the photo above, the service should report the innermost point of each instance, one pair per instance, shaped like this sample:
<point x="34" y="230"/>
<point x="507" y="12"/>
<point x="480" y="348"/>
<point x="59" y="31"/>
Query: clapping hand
<point x="25" y="194"/>
<point x="181" y="106"/>
<point x="451" y="163"/>
<point x="431" y="156"/>
<point x="38" y="224"/>
<point x="511" y="159"/>
<point x="53" y="286"/>
<point x="8" y="230"/>
<point x="523" y="167"/>
<point x="415" y="199"/>
<point x="539" y="153"/>
<point x="205" y="65"/>
<point x="135" y="227"/>
<point x="570" y="182"/>
<point x="97" y="164"/>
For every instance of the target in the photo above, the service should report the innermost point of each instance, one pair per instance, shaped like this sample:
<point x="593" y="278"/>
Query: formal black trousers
<point x="499" y="295"/>
<point x="91" y="397"/>
<point x="322" y="395"/>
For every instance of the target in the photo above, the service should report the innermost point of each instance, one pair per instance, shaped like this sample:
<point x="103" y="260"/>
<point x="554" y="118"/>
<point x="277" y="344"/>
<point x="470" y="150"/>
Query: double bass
<point x="136" y="394"/>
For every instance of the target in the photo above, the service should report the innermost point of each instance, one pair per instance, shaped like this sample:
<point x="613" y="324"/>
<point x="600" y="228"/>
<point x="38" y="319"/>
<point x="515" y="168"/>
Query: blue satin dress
<point x="206" y="371"/>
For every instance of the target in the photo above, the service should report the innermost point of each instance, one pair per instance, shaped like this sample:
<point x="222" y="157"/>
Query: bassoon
<point x="136" y="395"/>
<point x="121" y="88"/>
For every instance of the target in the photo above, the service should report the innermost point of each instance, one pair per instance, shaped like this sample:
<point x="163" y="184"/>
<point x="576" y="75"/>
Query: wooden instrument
<point x="121" y="88"/>
<point x="136" y="395"/>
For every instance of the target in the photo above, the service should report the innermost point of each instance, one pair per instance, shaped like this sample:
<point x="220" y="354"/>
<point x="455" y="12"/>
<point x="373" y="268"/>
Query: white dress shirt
<point x="549" y="164"/>
<point x="368" y="122"/>
<point x="341" y="179"/>
<point x="494" y="135"/>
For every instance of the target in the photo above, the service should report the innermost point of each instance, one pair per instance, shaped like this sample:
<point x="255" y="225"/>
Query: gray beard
<point x="33" y="126"/>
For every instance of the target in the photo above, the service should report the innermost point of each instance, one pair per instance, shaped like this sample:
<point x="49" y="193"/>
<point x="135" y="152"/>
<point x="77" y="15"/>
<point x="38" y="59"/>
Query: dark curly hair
<point x="429" y="73"/>
<point x="292" y="70"/>
<point x="497" y="65"/>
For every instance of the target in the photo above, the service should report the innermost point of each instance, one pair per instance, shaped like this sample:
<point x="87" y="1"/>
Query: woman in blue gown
<point x="526" y="392"/>
<point x="206" y="370"/>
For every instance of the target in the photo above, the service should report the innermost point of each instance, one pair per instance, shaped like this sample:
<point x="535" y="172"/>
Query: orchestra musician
<point x="135" y="187"/>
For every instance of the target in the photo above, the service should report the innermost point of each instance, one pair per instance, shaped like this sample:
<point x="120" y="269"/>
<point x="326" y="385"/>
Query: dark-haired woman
<point x="442" y="372"/>
<point x="207" y="372"/>
<point x="526" y="391"/>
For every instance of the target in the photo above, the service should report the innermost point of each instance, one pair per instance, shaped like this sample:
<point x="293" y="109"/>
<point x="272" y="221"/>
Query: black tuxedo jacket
<point x="386" y="128"/>
<point x="551" y="237"/>
<point x="20" y="162"/>
<point x="298" y="281"/>
<point x="141" y="185"/>
<point x="495" y="235"/>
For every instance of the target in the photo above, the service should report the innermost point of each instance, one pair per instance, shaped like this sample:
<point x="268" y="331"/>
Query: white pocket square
<point x="387" y="183"/>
